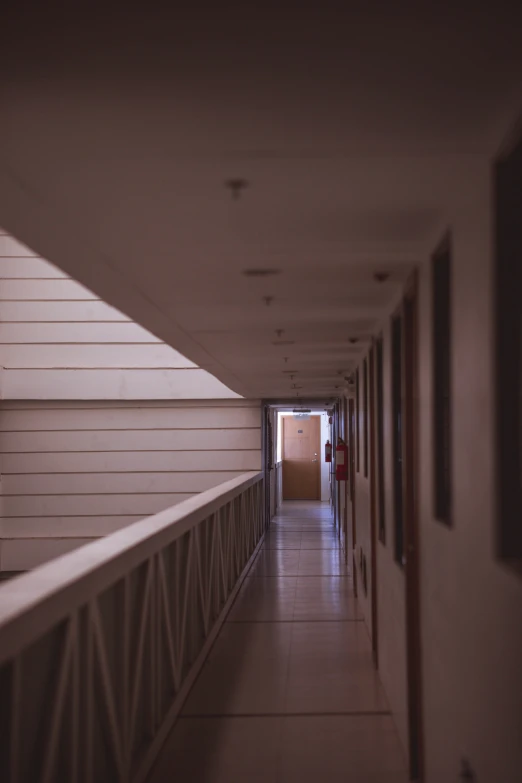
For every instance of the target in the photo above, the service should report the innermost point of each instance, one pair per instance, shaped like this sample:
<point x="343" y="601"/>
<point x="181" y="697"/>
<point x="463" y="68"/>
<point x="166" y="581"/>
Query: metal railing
<point x="99" y="648"/>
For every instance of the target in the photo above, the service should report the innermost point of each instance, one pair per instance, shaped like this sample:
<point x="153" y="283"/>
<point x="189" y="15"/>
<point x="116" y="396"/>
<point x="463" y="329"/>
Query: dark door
<point x="351" y="481"/>
<point x="411" y="530"/>
<point x="373" y="505"/>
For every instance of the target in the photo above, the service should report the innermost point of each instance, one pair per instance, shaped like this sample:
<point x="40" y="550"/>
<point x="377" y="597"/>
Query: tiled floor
<point x="289" y="692"/>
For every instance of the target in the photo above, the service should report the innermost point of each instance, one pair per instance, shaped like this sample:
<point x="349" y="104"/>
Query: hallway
<point x="289" y="691"/>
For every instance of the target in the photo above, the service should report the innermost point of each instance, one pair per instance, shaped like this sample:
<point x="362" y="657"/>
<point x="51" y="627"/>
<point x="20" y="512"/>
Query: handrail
<point x="32" y="602"/>
<point x="115" y="632"/>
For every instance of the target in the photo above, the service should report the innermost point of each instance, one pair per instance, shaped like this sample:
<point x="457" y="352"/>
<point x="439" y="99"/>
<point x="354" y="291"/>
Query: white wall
<point x="471" y="603"/>
<point x="390" y="577"/>
<point x="59" y="341"/>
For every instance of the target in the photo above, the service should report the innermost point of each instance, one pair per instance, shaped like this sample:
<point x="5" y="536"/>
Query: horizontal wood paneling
<point x="11" y="248"/>
<point x="114" y="384"/>
<point x="28" y="405"/>
<point x="132" y="440"/>
<point x="84" y="356"/>
<point x="98" y="483"/>
<point x="60" y="312"/>
<point x="101" y="423"/>
<point x="58" y="341"/>
<point x="65" y="527"/>
<point x="23" y="554"/>
<point x="74" y="471"/>
<point x="133" y="461"/>
<point x="112" y="332"/>
<point x="123" y="418"/>
<point x="28" y="268"/>
<point x="40" y="290"/>
<point x="144" y="504"/>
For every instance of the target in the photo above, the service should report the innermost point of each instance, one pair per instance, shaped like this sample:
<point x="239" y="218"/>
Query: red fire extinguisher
<point x="341" y="460"/>
<point x="327" y="451"/>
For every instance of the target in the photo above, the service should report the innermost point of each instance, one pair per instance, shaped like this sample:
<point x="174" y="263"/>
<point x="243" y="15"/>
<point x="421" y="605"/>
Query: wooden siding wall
<point x="75" y="471"/>
<point x="59" y="341"/>
<point x="101" y="424"/>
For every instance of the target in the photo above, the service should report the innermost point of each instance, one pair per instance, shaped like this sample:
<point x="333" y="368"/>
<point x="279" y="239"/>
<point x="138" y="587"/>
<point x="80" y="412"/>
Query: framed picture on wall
<point x="508" y="348"/>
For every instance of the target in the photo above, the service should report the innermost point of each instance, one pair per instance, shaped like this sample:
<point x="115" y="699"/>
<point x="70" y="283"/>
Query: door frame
<point x="411" y="547"/>
<point x="339" y="494"/>
<point x="373" y="502"/>
<point x="266" y="460"/>
<point x="351" y="457"/>
<point x="335" y="434"/>
<point x="347" y="482"/>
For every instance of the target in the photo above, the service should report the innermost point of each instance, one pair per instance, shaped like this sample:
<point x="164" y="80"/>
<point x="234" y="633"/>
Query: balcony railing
<point x="99" y="648"/>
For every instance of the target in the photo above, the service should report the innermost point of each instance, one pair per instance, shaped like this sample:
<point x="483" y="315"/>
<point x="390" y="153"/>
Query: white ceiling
<point x="359" y="132"/>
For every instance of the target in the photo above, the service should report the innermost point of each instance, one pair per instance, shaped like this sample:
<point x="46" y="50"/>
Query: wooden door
<point x="267" y="461"/>
<point x="373" y="507"/>
<point x="346" y="431"/>
<point x="335" y="435"/>
<point x="508" y="338"/>
<point x="301" y="458"/>
<point x="351" y="482"/>
<point x="411" y="530"/>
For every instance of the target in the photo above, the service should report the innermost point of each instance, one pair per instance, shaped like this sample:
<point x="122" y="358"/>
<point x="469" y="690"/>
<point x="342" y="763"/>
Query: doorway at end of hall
<point x="301" y="444"/>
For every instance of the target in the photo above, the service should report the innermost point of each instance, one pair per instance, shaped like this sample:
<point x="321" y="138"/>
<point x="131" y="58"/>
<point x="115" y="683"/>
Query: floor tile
<point x="245" y="673"/>
<point x="276" y="562"/>
<point x="274" y="546"/>
<point x="289" y="691"/>
<point x="339" y="690"/>
<point x="226" y="690"/>
<point x="259" y="583"/>
<point x="262" y="605"/>
<point x="343" y="749"/>
<point x="252" y="640"/>
<point x="344" y="641"/>
<point x="323" y="561"/>
<point x="226" y="750"/>
<point x="325" y="598"/>
<point x="348" y="681"/>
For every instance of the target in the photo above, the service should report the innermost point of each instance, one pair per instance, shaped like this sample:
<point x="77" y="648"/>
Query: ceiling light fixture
<point x="381" y="277"/>
<point x="236" y="185"/>
<point x="353" y="340"/>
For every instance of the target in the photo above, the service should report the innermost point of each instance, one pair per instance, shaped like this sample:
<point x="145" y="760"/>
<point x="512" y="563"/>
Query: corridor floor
<point x="289" y="692"/>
